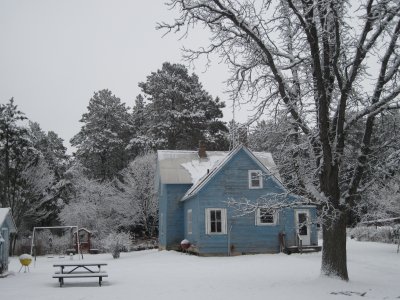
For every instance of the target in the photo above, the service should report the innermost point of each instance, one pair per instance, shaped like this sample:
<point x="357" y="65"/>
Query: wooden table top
<point x="79" y="264"/>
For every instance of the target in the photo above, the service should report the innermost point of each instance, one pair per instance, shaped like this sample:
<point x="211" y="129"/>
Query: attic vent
<point x="202" y="150"/>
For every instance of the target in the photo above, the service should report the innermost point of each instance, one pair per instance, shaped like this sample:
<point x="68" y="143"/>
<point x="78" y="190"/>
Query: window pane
<point x="212" y="215"/>
<point x="302" y="223"/>
<point x="215" y="221"/>
<point x="302" y="217"/>
<point x="219" y="227"/>
<point x="266" y="217"/>
<point x="303" y="230"/>
<point x="255" y="179"/>
<point x="212" y="226"/>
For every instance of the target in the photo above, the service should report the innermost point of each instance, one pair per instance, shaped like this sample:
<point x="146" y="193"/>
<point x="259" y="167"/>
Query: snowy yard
<point x="374" y="270"/>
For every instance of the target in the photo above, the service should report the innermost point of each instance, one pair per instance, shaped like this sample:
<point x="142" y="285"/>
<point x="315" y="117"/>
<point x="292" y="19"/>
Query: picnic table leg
<point x="100" y="280"/>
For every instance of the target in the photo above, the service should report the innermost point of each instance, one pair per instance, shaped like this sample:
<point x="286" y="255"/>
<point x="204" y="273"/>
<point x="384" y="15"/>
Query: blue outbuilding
<point x="7" y="226"/>
<point x="196" y="190"/>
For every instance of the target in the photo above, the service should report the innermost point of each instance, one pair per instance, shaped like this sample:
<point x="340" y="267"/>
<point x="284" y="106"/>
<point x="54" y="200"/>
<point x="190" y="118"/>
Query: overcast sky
<point x="55" y="54"/>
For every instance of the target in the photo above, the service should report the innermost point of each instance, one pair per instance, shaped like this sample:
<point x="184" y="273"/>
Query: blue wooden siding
<point x="193" y="205"/>
<point x="242" y="232"/>
<point x="171" y="209"/>
<point x="6" y="228"/>
<point x="162" y="213"/>
<point x="243" y="235"/>
<point x="4" y="249"/>
<point x="314" y="228"/>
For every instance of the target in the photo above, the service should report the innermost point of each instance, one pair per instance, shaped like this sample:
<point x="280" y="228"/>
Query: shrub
<point x="117" y="242"/>
<point x="52" y="243"/>
<point x="384" y="234"/>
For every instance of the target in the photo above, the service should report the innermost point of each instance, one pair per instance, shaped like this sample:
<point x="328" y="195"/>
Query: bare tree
<point x="137" y="193"/>
<point x="330" y="65"/>
<point x="93" y="204"/>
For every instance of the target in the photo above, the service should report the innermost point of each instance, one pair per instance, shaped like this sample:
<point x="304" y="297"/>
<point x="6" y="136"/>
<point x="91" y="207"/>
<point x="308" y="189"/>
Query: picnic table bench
<point x="79" y="270"/>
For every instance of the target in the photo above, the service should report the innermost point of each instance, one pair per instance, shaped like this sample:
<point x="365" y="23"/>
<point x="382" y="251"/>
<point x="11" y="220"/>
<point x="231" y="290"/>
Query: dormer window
<point x="255" y="179"/>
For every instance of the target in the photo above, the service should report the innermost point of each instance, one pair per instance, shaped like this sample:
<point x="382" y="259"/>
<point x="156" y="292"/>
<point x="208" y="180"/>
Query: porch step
<point x="304" y="249"/>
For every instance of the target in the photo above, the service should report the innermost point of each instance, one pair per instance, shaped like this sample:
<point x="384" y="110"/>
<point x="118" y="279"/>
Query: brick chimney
<point x="202" y="150"/>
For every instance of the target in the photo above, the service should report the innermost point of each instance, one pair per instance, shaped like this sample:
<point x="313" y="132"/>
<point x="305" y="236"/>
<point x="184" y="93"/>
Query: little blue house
<point x="194" y="188"/>
<point x="7" y="226"/>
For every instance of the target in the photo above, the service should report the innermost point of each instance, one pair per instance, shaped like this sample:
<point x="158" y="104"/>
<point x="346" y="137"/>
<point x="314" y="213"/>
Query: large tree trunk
<point x="334" y="261"/>
<point x="334" y="248"/>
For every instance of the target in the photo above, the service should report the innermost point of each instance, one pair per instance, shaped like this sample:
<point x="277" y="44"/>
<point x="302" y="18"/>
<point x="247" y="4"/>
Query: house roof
<point x="206" y="178"/>
<point x="5" y="216"/>
<point x="186" y="167"/>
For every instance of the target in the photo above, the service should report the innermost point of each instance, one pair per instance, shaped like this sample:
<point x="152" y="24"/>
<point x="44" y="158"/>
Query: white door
<point x="303" y="226"/>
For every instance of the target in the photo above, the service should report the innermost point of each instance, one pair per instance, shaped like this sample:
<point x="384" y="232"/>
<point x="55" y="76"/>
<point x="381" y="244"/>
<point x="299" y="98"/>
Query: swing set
<point x="74" y="236"/>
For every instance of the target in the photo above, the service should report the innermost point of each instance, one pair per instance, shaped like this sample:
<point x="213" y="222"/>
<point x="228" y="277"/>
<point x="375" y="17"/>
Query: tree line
<point x="107" y="185"/>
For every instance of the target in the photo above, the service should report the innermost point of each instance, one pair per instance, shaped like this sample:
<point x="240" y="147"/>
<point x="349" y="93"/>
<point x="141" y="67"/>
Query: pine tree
<point x="26" y="180"/>
<point x="102" y="140"/>
<point x="45" y="175"/>
<point x="180" y="112"/>
<point x="13" y="147"/>
<point x="51" y="147"/>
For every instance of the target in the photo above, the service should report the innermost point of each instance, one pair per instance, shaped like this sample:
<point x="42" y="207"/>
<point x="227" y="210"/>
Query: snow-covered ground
<point x="374" y="270"/>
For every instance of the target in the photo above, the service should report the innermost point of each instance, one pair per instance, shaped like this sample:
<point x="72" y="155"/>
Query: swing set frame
<point x="56" y="227"/>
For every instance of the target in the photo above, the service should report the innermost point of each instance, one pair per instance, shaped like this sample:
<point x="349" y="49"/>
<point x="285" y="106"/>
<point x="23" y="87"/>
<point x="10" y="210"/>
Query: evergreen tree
<point x="180" y="112"/>
<point x="48" y="165"/>
<point x="13" y="148"/>
<point x="26" y="179"/>
<point x="102" y="140"/>
<point x="140" y="143"/>
<point x="51" y="147"/>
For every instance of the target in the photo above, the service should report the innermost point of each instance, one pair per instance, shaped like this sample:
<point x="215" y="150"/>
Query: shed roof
<point x="5" y="216"/>
<point x="186" y="167"/>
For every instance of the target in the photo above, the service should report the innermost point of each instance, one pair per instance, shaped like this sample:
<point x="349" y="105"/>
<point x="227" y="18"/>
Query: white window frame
<point x="258" y="218"/>
<point x="208" y="221"/>
<point x="189" y="221"/>
<point x="259" y="173"/>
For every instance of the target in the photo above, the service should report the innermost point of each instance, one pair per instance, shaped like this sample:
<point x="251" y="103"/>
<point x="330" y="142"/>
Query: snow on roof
<point x="266" y="159"/>
<point x="4" y="212"/>
<point x="198" y="168"/>
<point x="199" y="183"/>
<point x="186" y="167"/>
<point x="263" y="158"/>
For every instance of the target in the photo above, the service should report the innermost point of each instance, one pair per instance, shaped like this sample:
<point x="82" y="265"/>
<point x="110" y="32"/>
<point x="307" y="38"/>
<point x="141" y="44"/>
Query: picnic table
<point x="79" y="269"/>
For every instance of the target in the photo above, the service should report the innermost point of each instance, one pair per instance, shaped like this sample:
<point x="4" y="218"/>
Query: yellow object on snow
<point x="25" y="260"/>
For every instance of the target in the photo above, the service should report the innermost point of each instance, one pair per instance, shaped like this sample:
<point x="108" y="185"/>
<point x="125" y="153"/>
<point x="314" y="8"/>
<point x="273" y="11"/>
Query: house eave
<point x="10" y="220"/>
